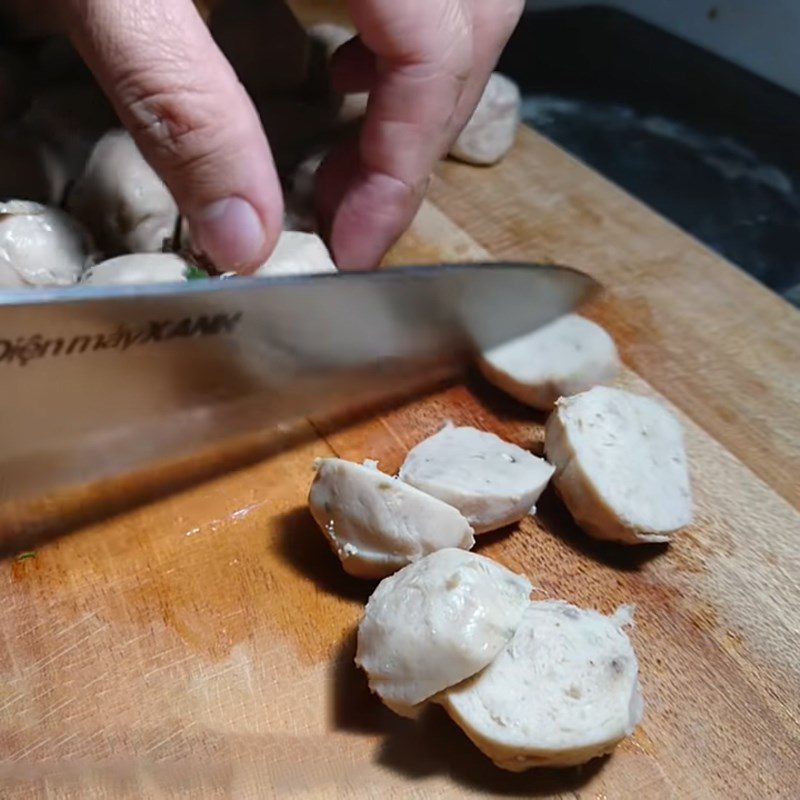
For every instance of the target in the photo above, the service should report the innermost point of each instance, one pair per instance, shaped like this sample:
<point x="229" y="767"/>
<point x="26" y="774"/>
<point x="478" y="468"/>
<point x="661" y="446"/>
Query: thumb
<point x="192" y="119"/>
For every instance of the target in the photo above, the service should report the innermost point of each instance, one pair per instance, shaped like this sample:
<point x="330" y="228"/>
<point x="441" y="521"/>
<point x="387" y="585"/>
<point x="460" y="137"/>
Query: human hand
<point x="425" y="63"/>
<point x="177" y="94"/>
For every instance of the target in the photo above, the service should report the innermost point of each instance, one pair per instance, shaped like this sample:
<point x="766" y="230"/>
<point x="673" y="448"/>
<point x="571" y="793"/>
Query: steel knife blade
<point x="97" y="381"/>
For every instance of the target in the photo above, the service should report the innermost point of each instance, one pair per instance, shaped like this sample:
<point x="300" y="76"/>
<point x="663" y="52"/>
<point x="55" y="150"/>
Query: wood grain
<point x="201" y="645"/>
<point x="721" y="346"/>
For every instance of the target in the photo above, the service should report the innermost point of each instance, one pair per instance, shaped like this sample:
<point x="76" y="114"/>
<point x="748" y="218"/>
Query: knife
<point x="101" y="381"/>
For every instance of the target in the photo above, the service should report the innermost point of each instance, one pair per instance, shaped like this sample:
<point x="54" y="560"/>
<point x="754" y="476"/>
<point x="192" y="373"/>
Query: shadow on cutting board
<point x="502" y="405"/>
<point x="433" y="744"/>
<point x="555" y="520"/>
<point x="352" y="706"/>
<point x="301" y="544"/>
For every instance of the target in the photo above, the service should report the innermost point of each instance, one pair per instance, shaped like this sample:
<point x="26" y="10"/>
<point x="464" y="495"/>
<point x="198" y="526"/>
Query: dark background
<point x="707" y="144"/>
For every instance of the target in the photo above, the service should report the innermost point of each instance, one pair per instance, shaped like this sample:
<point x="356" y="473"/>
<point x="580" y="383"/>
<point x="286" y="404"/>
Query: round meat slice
<point x="491" y="482"/>
<point x="121" y="200"/>
<point x="565" y="357"/>
<point x="563" y="691"/>
<point x="138" y="268"/>
<point x="297" y="253"/>
<point x="435" y="623"/>
<point x="377" y="524"/>
<point x="40" y="246"/>
<point x="621" y="466"/>
<point x="490" y="132"/>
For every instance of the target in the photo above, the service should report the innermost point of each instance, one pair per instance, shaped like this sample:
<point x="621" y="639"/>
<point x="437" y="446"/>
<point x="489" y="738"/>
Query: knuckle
<point x="173" y="125"/>
<point x="170" y="131"/>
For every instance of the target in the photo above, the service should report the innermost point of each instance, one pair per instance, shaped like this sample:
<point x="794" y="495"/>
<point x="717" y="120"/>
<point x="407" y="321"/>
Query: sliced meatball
<point x="490" y="132"/>
<point x="621" y="465"/>
<point x="40" y="246"/>
<point x="491" y="482"/>
<point x="377" y="524"/>
<point x="121" y="200"/>
<point x="435" y="623"/>
<point x="297" y="253"/>
<point x="138" y="268"/>
<point x="564" y="690"/>
<point x="565" y="357"/>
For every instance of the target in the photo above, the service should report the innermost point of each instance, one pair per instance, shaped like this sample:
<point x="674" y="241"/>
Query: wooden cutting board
<point x="201" y="645"/>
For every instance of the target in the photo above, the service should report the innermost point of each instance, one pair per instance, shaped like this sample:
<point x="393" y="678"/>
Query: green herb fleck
<point x="195" y="274"/>
<point x="25" y="555"/>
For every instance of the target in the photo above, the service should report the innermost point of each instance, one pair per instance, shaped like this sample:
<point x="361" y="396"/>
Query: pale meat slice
<point x="297" y="253"/>
<point x="138" y="268"/>
<point x="490" y="132"/>
<point x="122" y="200"/>
<point x="491" y="482"/>
<point x="435" y="623"/>
<point x="40" y="246"/>
<point x="621" y="466"/>
<point x="377" y="524"/>
<point x="563" y="691"/>
<point x="565" y="357"/>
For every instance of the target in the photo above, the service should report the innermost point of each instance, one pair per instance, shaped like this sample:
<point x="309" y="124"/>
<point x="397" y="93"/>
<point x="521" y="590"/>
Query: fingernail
<point x="229" y="232"/>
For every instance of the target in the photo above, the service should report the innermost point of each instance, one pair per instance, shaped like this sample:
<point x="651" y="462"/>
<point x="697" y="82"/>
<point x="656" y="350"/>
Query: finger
<point x="492" y="25"/>
<point x="353" y="68"/>
<point x="181" y="101"/>
<point x="423" y="50"/>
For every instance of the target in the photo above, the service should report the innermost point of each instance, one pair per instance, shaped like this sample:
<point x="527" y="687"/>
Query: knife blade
<point x="99" y="381"/>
